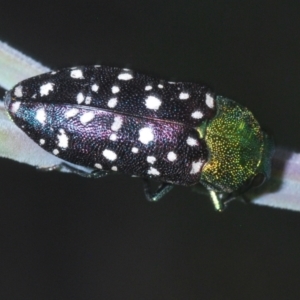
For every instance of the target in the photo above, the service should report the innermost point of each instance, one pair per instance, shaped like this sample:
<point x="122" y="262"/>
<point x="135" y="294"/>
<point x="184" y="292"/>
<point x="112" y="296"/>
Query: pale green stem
<point x="15" y="66"/>
<point x="283" y="189"/>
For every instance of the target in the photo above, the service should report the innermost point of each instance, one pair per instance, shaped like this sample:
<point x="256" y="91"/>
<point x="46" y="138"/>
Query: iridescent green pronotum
<point x="240" y="152"/>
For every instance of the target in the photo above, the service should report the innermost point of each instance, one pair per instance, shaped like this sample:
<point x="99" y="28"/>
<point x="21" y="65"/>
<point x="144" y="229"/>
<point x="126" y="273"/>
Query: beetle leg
<point x="221" y="200"/>
<point x="217" y="200"/>
<point x="66" y="167"/>
<point x="163" y="189"/>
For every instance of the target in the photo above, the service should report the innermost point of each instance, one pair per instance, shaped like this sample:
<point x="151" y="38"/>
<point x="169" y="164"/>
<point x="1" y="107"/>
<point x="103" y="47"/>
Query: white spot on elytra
<point x="134" y="150"/>
<point x="153" y="171"/>
<point x="71" y="113"/>
<point x="88" y="100"/>
<point x="41" y="115"/>
<point x="117" y="124"/>
<point x="197" y="114"/>
<point x="63" y="140"/>
<point x="191" y="141"/>
<point x="18" y="91"/>
<point x="209" y="100"/>
<point x="95" y="87"/>
<point x="98" y="166"/>
<point x="15" y="107"/>
<point x="112" y="102"/>
<point x="151" y="159"/>
<point x="53" y="72"/>
<point x="115" y="89"/>
<point x="184" y="96"/>
<point x="172" y="156"/>
<point x="33" y="96"/>
<point x="196" y="166"/>
<point x="77" y="74"/>
<point x="110" y="155"/>
<point x="80" y="98"/>
<point x="46" y="88"/>
<point x="87" y="117"/>
<point x="114" y="168"/>
<point x="160" y="86"/>
<point x="113" y="137"/>
<point x="148" y="88"/>
<point x="146" y="135"/>
<point x="152" y="102"/>
<point x="55" y="151"/>
<point x="125" y="76"/>
<point x="42" y="141"/>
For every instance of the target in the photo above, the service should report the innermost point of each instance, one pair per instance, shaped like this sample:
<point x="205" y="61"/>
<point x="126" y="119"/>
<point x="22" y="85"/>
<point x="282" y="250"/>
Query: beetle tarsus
<point x="163" y="189"/>
<point x="63" y="167"/>
<point x="219" y="200"/>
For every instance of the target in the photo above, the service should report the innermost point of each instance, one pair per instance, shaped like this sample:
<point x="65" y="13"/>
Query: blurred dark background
<point x="66" y="237"/>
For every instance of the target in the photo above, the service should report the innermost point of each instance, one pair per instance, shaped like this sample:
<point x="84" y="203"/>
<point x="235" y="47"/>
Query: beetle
<point x="116" y="120"/>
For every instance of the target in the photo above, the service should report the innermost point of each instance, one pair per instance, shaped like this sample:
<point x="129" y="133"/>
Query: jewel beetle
<point x="111" y="119"/>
